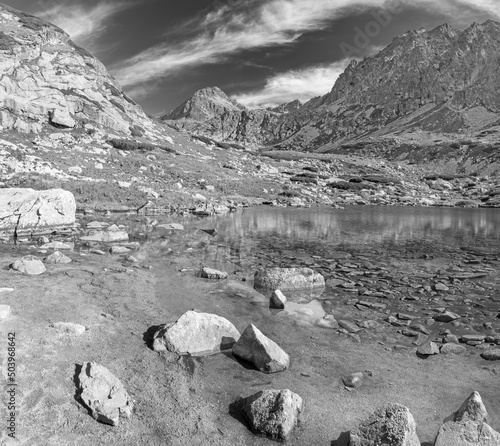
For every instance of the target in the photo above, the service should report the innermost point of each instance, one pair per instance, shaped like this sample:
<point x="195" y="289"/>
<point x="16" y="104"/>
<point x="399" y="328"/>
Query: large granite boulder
<point x="468" y="427"/>
<point x="391" y="425"/>
<point x="286" y="279"/>
<point x="30" y="265"/>
<point x="103" y="394"/>
<point x="28" y="210"/>
<point x="273" y="413"/>
<point x="467" y="433"/>
<point x="196" y="334"/>
<point x="257" y="349"/>
<point x="47" y="80"/>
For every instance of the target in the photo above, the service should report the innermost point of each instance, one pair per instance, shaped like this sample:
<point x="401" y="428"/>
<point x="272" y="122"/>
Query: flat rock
<point x="446" y="316"/>
<point x="105" y="236"/>
<point x="453" y="349"/>
<point x="277" y="300"/>
<point x="196" y="334"/>
<point x="392" y="425"/>
<point x="119" y="250"/>
<point x="286" y="279"/>
<point x="69" y="328"/>
<point x="4" y="312"/>
<point x="467" y="433"/>
<point x="30" y="265"/>
<point x="273" y="413"/>
<point x="57" y="245"/>
<point x="173" y="226"/>
<point x="57" y="257"/>
<point x="210" y="273"/>
<point x="256" y="348"/>
<point x="473" y="338"/>
<point x="472" y="409"/>
<point x="351" y="327"/>
<point x="491" y="355"/>
<point x="27" y="210"/>
<point x="103" y="394"/>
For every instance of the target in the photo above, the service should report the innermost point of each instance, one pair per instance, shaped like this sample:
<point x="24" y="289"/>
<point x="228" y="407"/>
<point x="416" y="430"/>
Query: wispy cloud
<point x="301" y="84"/>
<point x="84" y="23"/>
<point x="238" y="26"/>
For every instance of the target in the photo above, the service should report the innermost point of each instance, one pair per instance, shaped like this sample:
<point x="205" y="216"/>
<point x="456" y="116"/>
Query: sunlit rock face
<point x="45" y="79"/>
<point x="210" y="112"/>
<point x="443" y="80"/>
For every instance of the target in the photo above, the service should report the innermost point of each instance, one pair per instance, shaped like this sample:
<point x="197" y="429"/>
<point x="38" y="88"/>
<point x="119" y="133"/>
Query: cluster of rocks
<point x="394" y="425"/>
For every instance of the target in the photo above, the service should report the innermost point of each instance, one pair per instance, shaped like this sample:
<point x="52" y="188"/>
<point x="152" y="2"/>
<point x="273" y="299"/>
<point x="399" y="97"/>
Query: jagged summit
<point x="205" y="104"/>
<point x="46" y="79"/>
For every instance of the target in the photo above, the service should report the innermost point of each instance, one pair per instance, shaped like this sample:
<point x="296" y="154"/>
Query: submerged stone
<point x="286" y="279"/>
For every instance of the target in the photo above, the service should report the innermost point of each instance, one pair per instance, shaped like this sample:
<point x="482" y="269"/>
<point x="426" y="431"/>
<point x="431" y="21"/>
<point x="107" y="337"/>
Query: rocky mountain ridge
<point x="443" y="81"/>
<point x="48" y="80"/>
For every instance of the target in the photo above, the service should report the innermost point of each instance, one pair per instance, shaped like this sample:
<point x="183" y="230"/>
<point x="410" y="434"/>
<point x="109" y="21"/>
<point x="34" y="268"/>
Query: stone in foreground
<point x="286" y="279"/>
<point x="30" y="265"/>
<point x="27" y="210"/>
<point x="491" y="355"/>
<point x="273" y="413"/>
<point x="467" y="433"/>
<point x="391" y="425"/>
<point x="257" y="349"/>
<point x="103" y="393"/>
<point x="427" y="349"/>
<point x="472" y="409"/>
<point x="210" y="273"/>
<point x="4" y="312"/>
<point x="278" y="300"/>
<point x="69" y="328"/>
<point x="57" y="257"/>
<point x="196" y="334"/>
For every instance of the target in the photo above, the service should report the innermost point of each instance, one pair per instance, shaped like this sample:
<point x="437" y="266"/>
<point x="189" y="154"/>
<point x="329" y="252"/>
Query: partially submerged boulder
<point x="392" y="425"/>
<point x="103" y="394"/>
<point x="273" y="413"/>
<point x="286" y="279"/>
<point x="278" y="300"/>
<point x="257" y="349"/>
<point x="30" y="265"/>
<point x="28" y="210"/>
<point x="196" y="334"/>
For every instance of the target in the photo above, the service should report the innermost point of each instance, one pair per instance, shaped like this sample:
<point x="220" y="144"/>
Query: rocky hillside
<point x="443" y="81"/>
<point x="48" y="80"/>
<point x="210" y="112"/>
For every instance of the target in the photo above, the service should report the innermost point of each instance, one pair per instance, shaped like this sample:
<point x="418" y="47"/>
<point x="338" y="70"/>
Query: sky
<point x="262" y="53"/>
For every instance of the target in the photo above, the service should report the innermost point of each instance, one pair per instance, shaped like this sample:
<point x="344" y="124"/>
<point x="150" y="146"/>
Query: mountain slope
<point x="443" y="81"/>
<point x="46" y="79"/>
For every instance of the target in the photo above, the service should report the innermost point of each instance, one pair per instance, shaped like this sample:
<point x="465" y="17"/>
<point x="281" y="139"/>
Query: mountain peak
<point x="205" y="104"/>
